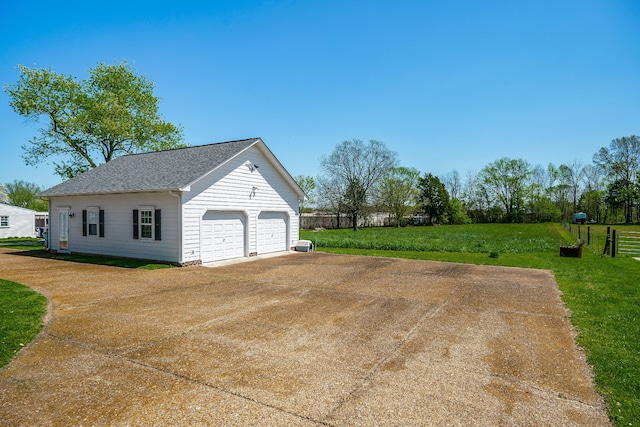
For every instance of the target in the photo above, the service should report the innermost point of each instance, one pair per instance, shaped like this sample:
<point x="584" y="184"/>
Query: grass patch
<point x="19" y="239"/>
<point x="475" y="238"/>
<point x="21" y="314"/>
<point x="602" y="292"/>
<point x="35" y="247"/>
<point x="39" y="252"/>
<point x="115" y="262"/>
<point x="22" y="243"/>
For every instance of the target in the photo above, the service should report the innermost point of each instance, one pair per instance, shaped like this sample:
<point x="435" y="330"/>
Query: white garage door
<point x="272" y="232"/>
<point x="222" y="236"/>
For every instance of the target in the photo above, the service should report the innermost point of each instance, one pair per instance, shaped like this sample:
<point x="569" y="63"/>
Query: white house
<point x="185" y="206"/>
<point x="17" y="222"/>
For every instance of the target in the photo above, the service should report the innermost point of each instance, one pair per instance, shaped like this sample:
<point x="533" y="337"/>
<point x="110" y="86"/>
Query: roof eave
<point x="284" y="172"/>
<point x="104" y="193"/>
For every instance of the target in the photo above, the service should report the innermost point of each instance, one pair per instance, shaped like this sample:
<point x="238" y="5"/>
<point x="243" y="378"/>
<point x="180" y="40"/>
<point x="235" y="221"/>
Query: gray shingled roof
<point x="160" y="170"/>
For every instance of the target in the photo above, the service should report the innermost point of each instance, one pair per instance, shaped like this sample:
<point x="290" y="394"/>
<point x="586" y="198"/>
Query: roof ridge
<point x="185" y="148"/>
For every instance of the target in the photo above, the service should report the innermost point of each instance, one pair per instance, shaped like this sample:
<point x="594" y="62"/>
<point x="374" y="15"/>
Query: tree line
<point x="82" y="123"/>
<point x="359" y="178"/>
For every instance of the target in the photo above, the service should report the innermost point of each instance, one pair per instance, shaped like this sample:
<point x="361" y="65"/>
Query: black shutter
<point x="158" y="225"/>
<point x="101" y="223"/>
<point x="135" y="223"/>
<point x="84" y="222"/>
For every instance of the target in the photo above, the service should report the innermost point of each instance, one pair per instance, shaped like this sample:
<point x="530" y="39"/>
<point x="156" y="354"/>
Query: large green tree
<point x="357" y="167"/>
<point x="308" y="185"/>
<point x="571" y="176"/>
<point x="506" y="181"/>
<point x="621" y="163"/>
<point x="433" y="199"/>
<point x="397" y="192"/>
<point x="24" y="194"/>
<point x="83" y="123"/>
<point x="330" y="196"/>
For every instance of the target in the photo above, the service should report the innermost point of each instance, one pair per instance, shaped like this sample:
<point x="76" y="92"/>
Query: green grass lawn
<point x="602" y="293"/>
<point x="39" y="252"/>
<point x="21" y="314"/>
<point x="114" y="262"/>
<point x="22" y="243"/>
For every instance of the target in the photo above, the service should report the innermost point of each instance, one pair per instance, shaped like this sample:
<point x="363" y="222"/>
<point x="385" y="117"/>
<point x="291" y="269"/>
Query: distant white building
<point x="17" y="222"/>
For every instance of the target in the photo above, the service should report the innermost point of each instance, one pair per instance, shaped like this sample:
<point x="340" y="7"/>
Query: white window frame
<point x="93" y="210"/>
<point x="4" y="221"/>
<point x="142" y="225"/>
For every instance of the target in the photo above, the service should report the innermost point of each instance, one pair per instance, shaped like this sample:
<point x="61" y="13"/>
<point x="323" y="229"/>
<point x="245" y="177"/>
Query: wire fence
<point x="606" y="240"/>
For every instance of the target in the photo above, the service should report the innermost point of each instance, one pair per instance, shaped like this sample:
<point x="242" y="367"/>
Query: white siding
<point x="231" y="188"/>
<point x="118" y="235"/>
<point x="21" y="222"/>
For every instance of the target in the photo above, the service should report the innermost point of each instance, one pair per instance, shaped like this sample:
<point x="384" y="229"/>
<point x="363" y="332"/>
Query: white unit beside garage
<point x="272" y="232"/>
<point x="223" y="236"/>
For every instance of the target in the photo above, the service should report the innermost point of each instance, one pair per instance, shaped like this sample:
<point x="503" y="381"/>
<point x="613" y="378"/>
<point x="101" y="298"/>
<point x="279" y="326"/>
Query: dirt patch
<point x="306" y="339"/>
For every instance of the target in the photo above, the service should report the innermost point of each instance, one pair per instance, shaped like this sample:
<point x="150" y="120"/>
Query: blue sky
<point x="446" y="84"/>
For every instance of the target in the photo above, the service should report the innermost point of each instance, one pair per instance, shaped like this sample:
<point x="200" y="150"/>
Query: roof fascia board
<point x="285" y="173"/>
<point x="17" y="207"/>
<point x="106" y="193"/>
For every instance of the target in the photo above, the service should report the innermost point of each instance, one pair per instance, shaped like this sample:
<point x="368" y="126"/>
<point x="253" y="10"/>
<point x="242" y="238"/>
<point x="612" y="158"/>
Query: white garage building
<point x="185" y="206"/>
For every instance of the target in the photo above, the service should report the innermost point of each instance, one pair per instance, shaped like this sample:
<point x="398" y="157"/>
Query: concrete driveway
<point x="303" y="340"/>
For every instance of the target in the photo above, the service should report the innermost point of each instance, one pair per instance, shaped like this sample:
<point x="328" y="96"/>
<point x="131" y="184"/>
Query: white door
<point x="222" y="236"/>
<point x="63" y="231"/>
<point x="272" y="232"/>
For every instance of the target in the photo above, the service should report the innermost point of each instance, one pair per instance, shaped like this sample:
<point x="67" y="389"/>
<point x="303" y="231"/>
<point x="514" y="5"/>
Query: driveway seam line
<point x="188" y="379"/>
<point x="224" y="390"/>
<point x="553" y="394"/>
<point x="359" y="385"/>
<point x="191" y="330"/>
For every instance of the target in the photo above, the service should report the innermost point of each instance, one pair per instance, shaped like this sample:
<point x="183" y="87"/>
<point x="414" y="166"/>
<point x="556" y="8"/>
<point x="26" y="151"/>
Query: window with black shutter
<point x="136" y="232"/>
<point x="158" y="224"/>
<point x="147" y="223"/>
<point x="101" y="222"/>
<point x="93" y="222"/>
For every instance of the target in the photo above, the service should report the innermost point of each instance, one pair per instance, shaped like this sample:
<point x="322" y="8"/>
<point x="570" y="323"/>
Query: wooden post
<point x="579" y="234"/>
<point x="588" y="235"/>
<point x="607" y="242"/>
<point x="613" y="245"/>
